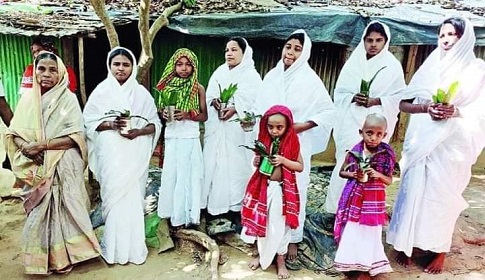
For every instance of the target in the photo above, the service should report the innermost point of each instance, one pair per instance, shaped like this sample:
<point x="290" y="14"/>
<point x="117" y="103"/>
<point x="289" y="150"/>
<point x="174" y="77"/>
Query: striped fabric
<point x="255" y="209"/>
<point x="365" y="203"/>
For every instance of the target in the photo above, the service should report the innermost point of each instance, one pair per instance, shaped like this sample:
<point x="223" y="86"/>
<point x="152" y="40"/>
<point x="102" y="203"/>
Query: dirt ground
<point x="465" y="261"/>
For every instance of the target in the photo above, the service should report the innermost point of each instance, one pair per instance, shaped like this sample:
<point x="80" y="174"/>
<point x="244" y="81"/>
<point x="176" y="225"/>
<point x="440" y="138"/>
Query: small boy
<point x="362" y="207"/>
<point x="271" y="203"/>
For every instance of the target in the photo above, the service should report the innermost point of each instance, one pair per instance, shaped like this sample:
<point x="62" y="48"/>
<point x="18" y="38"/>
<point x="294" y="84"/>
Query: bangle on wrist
<point x="47" y="144"/>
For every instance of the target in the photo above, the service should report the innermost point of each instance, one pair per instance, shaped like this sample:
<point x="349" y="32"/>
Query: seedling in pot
<point x="365" y="85"/>
<point x="225" y="95"/>
<point x="248" y="121"/>
<point x="363" y="163"/>
<point x="124" y="115"/>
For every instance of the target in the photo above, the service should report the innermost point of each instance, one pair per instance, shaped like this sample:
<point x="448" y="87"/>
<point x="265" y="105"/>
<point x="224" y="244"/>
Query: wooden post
<point x="82" y="80"/>
<point x="403" y="117"/>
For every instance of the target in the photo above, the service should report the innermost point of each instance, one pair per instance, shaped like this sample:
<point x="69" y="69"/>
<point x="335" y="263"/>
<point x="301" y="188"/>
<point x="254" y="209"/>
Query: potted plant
<point x="248" y="121"/>
<point x="365" y="85"/>
<point x="124" y="115"/>
<point x="445" y="98"/>
<point x="363" y="163"/>
<point x="265" y="167"/>
<point x="225" y="95"/>
<point x="167" y="101"/>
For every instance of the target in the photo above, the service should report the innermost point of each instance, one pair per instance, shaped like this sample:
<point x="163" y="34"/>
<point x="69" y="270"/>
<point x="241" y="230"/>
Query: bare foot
<point x="436" y="265"/>
<point x="254" y="264"/>
<point x="363" y="276"/>
<point x="402" y="259"/>
<point x="292" y="251"/>
<point x="281" y="269"/>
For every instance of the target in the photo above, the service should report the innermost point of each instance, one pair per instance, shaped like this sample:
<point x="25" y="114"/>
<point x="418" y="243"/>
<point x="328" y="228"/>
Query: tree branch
<point x="100" y="10"/>
<point x="147" y="35"/>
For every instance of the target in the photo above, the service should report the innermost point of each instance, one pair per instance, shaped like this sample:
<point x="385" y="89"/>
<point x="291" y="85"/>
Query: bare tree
<point x="147" y="32"/>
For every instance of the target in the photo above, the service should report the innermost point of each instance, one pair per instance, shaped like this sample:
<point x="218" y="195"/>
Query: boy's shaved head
<point x="375" y="119"/>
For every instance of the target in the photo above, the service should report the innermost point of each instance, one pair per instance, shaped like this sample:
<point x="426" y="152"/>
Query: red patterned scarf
<point x="255" y="209"/>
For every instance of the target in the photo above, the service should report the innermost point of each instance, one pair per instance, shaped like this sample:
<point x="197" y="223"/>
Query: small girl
<point x="182" y="174"/>
<point x="271" y="203"/>
<point x="362" y="208"/>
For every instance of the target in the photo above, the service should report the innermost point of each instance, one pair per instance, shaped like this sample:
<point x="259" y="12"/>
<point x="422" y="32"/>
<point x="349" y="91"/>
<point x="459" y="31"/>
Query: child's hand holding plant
<point x="277" y="160"/>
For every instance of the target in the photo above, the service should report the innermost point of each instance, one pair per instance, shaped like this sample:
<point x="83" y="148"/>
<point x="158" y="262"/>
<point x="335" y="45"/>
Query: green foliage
<point x="248" y="117"/>
<point x="446" y="97"/>
<point x="166" y="99"/>
<point x="189" y="3"/>
<point x="126" y="114"/>
<point x="364" y="163"/>
<point x="260" y="149"/>
<point x="365" y="85"/>
<point x="227" y="93"/>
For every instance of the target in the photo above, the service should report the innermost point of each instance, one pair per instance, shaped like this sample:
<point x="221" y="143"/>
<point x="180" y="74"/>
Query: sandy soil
<point x="466" y="261"/>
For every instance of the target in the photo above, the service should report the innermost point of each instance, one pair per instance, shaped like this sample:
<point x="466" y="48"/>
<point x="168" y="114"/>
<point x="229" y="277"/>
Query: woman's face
<point x="121" y="68"/>
<point x="374" y="43"/>
<point x="447" y="36"/>
<point x="234" y="54"/>
<point x="47" y="74"/>
<point x="291" y="52"/>
<point x="184" y="67"/>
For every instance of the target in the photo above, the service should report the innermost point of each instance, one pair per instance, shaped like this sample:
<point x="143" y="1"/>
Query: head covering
<point x="187" y="89"/>
<point x="131" y="83"/>
<point x="302" y="60"/>
<point x="42" y="117"/>
<point x="442" y="68"/>
<point x="255" y="210"/>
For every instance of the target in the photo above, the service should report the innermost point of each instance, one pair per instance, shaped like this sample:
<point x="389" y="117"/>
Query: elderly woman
<point x="293" y="83"/>
<point x="228" y="166"/>
<point x="46" y="146"/>
<point x="370" y="56"/>
<point x="120" y="149"/>
<point x="443" y="141"/>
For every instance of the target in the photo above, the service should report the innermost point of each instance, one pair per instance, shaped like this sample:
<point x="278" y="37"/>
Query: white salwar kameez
<point x="438" y="155"/>
<point x="300" y="89"/>
<point x="351" y="117"/>
<point x="227" y="165"/>
<point x="361" y="249"/>
<point x="121" y="165"/>
<point x="182" y="174"/>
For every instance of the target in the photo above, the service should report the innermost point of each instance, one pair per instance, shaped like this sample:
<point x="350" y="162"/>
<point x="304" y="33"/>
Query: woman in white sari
<point x="294" y="84"/>
<point x="228" y="166"/>
<point x="352" y="106"/>
<point x="443" y="141"/>
<point x="46" y="146"/>
<point x="119" y="159"/>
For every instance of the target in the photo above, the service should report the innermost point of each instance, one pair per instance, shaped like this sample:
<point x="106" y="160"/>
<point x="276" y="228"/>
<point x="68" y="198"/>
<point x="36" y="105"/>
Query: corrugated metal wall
<point x="326" y="59"/>
<point x="14" y="57"/>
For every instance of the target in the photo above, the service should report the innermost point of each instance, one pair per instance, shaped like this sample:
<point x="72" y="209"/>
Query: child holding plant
<point x="361" y="211"/>
<point x="182" y="175"/>
<point x="271" y="203"/>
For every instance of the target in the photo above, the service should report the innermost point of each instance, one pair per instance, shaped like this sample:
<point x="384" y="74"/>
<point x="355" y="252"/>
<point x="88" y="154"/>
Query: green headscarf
<point x="187" y="89"/>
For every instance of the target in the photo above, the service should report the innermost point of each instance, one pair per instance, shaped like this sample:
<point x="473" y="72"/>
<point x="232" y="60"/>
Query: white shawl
<point x="116" y="160"/>
<point x="386" y="85"/>
<point x="438" y="155"/>
<point x="301" y="89"/>
<point x="227" y="166"/>
<point x="248" y="83"/>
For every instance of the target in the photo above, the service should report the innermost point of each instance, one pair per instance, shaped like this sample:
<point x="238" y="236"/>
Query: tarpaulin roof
<point x="409" y="24"/>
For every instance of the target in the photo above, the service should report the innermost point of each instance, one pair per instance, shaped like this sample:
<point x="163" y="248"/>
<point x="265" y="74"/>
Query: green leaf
<point x="227" y="93"/>
<point x="452" y="90"/>
<point x="365" y="85"/>
<point x="440" y="95"/>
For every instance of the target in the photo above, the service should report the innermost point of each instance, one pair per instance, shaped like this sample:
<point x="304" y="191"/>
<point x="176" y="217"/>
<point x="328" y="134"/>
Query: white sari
<point x="438" y="155"/>
<point x="300" y="89"/>
<point x="351" y="117"/>
<point x="121" y="165"/>
<point x="228" y="166"/>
